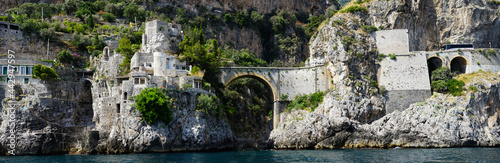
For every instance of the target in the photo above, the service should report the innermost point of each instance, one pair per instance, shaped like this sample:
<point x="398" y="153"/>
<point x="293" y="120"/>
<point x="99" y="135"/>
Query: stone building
<point x="155" y="65"/>
<point x="21" y="65"/>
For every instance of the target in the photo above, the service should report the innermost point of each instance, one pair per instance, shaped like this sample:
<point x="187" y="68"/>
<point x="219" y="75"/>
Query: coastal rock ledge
<point x="441" y="121"/>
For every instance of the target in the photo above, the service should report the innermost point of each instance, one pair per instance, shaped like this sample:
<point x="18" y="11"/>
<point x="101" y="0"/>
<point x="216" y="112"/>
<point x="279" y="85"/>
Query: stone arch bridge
<point x="282" y="81"/>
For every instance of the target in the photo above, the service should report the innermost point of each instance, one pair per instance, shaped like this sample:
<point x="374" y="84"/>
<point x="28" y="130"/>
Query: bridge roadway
<point x="282" y="81"/>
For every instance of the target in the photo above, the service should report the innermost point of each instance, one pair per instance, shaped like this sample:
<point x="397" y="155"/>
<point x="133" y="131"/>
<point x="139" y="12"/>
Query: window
<point x="136" y="80"/>
<point x="4" y="70"/>
<point x="143" y="81"/>
<point x="23" y="70"/>
<point x="26" y="80"/>
<point x="30" y="71"/>
<point x="14" y="69"/>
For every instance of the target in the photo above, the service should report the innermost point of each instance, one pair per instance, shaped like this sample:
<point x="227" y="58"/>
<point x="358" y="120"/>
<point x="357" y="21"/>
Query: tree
<point x="65" y="57"/>
<point x="125" y="47"/>
<point x="208" y="104"/>
<point x="134" y="12"/>
<point x="109" y="17"/>
<point x="153" y="106"/>
<point x="314" y="22"/>
<point x="90" y="22"/>
<point x="282" y="20"/>
<point x="205" y="56"/>
<point x="44" y="73"/>
<point x="47" y="33"/>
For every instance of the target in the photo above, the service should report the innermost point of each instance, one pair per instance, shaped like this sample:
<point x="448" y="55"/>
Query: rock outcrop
<point x="441" y="121"/>
<point x="57" y="118"/>
<point x="354" y="114"/>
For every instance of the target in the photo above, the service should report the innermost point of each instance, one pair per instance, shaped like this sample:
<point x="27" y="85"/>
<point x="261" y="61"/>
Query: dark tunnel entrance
<point x="434" y="63"/>
<point x="84" y="113"/>
<point x="249" y="103"/>
<point x="458" y="65"/>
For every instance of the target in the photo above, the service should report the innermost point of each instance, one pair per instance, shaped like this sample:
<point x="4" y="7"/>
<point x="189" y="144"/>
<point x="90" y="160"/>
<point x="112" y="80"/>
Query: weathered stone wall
<point x="284" y="81"/>
<point x="392" y="41"/>
<point x="406" y="80"/>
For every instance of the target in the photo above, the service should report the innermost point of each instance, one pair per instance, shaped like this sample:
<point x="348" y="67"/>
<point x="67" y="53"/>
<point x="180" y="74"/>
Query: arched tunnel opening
<point x="84" y="112"/>
<point x="434" y="63"/>
<point x="458" y="65"/>
<point x="248" y="103"/>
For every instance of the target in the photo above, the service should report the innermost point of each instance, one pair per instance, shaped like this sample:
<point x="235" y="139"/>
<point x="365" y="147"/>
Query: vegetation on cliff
<point x="153" y="105"/>
<point x="307" y="101"/>
<point x="442" y="81"/>
<point x="44" y="73"/>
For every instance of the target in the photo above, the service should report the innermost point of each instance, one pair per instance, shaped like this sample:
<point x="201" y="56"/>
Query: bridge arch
<point x="256" y="76"/>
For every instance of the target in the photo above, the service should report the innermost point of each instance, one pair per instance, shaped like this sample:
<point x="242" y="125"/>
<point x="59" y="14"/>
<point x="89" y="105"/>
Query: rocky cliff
<point x="354" y="113"/>
<point x="60" y="118"/>
<point x="432" y="23"/>
<point x="441" y="121"/>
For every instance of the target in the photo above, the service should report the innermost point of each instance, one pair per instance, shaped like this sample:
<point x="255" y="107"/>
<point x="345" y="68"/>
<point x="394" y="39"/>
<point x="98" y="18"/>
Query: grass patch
<point x="369" y="28"/>
<point x="354" y="9"/>
<point x="303" y="102"/>
<point x="478" y="75"/>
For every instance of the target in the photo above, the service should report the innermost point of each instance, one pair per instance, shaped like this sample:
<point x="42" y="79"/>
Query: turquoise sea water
<point x="336" y="155"/>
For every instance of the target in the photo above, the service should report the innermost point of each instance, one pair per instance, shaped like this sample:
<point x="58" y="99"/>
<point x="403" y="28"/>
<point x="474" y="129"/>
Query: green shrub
<point x="369" y="28"/>
<point x="361" y="1"/>
<point x="243" y="58"/>
<point x="153" y="106"/>
<point x="442" y="73"/>
<point x="187" y="86"/>
<point x="44" y="73"/>
<point x="48" y="33"/>
<point x="359" y="55"/>
<point x="373" y="83"/>
<point x="283" y="19"/>
<point x="284" y="97"/>
<point x="312" y="26"/>
<point x="241" y="19"/>
<point x="455" y="87"/>
<point x="392" y="56"/>
<point x="353" y="9"/>
<point x="439" y="86"/>
<point x="208" y="104"/>
<point x="4" y="18"/>
<point x="494" y="2"/>
<point x="65" y="57"/>
<point x="381" y="56"/>
<point x="492" y="52"/>
<point x="228" y="18"/>
<point x="473" y="88"/>
<point x="109" y="17"/>
<point x="306" y="101"/>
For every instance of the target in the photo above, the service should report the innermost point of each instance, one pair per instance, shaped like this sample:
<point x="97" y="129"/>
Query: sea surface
<point x="334" y="155"/>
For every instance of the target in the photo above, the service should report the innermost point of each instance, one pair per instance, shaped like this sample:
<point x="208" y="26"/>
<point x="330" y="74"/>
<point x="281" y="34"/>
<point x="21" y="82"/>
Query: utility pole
<point x="42" y="14"/>
<point x="135" y="23"/>
<point x="48" y="39"/>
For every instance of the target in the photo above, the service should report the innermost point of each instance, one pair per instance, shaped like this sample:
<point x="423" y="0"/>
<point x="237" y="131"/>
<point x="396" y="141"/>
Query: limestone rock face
<point x="442" y="121"/>
<point x="432" y="23"/>
<point x="262" y="6"/>
<point x="190" y="130"/>
<point x="353" y="114"/>
<point x="59" y="118"/>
